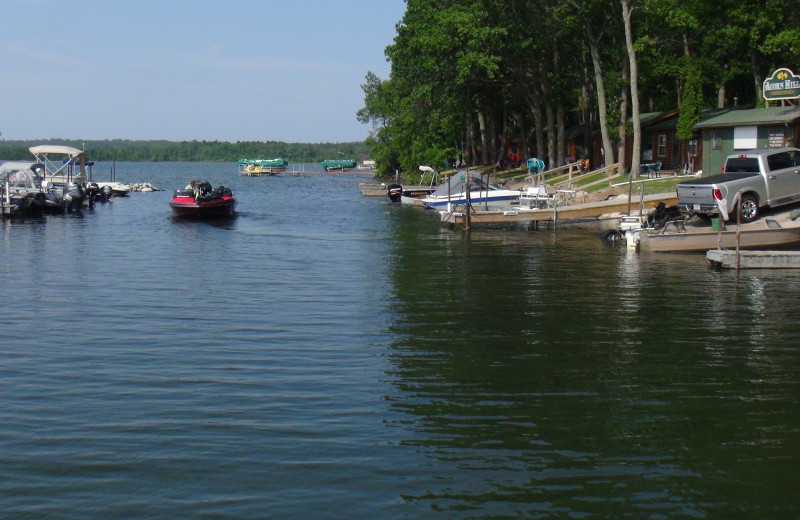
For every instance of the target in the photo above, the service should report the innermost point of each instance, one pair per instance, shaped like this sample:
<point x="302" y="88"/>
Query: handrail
<point x="542" y="176"/>
<point x="609" y="170"/>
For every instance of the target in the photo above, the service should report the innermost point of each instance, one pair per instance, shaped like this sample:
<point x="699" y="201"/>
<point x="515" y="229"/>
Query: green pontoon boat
<point x="256" y="167"/>
<point x="332" y="165"/>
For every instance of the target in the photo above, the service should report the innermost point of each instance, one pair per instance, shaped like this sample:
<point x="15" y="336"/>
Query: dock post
<point x="738" y="229"/>
<point x="467" y="208"/>
<point x="555" y="212"/>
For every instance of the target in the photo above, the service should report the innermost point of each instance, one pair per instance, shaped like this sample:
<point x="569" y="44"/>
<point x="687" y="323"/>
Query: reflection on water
<point x="547" y="373"/>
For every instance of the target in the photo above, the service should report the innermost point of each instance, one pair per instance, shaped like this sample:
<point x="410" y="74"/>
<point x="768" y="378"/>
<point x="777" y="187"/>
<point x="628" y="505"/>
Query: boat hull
<point x="408" y="194"/>
<point x="338" y="165"/>
<point x="188" y="207"/>
<point x="259" y="167"/>
<point x="264" y="171"/>
<point x="117" y="188"/>
<point x="497" y="196"/>
<point x="758" y="236"/>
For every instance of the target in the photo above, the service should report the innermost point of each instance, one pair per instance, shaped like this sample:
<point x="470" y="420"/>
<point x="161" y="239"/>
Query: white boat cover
<point x="19" y="176"/>
<point x="51" y="148"/>
<point x="58" y="168"/>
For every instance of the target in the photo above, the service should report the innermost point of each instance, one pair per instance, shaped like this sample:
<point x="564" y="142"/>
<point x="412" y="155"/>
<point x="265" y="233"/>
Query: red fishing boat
<point x="201" y="200"/>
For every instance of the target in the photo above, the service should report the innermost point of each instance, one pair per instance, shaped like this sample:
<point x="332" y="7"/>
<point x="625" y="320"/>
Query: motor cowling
<point x="395" y="192"/>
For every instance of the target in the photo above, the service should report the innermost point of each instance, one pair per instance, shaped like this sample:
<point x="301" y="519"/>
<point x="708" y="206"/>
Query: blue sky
<point x="228" y="70"/>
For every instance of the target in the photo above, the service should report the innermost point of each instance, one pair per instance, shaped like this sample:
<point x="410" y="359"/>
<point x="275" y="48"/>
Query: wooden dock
<point x="567" y="212"/>
<point x="373" y="190"/>
<point x="726" y="259"/>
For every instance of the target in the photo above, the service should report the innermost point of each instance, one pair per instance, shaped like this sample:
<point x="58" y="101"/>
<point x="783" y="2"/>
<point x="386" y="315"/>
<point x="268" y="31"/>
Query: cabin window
<point x="662" y="145"/>
<point x="692" y="147"/>
<point x="745" y="137"/>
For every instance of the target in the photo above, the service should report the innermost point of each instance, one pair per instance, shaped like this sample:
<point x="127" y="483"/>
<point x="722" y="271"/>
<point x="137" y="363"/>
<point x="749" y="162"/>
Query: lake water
<point x="329" y="355"/>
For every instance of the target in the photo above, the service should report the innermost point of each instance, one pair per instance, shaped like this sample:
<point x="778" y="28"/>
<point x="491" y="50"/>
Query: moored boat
<point x="454" y="192"/>
<point x="61" y="164"/>
<point x="117" y="189"/>
<point x="21" y="186"/>
<point x="343" y="165"/>
<point x="203" y="201"/>
<point x="258" y="167"/>
<point x="64" y="169"/>
<point x="677" y="237"/>
<point x="412" y="194"/>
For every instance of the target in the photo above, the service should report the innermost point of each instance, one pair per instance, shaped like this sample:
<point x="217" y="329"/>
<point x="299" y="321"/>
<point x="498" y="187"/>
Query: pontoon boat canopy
<point x="50" y="148"/>
<point x="56" y="168"/>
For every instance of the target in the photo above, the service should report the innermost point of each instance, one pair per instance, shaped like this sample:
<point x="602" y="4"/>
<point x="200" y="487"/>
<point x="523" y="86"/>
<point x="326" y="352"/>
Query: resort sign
<point x="783" y="84"/>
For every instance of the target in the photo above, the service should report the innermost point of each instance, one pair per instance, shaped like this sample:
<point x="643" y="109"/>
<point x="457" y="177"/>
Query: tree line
<point x="199" y="151"/>
<point x="468" y="75"/>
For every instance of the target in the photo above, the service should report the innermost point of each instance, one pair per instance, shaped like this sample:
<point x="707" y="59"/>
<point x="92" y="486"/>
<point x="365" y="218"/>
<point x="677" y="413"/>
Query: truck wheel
<point x="749" y="208"/>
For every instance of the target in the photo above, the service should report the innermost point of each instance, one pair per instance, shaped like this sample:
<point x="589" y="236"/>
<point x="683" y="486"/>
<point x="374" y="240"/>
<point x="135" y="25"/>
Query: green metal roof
<point x="754" y="117"/>
<point x="651" y="118"/>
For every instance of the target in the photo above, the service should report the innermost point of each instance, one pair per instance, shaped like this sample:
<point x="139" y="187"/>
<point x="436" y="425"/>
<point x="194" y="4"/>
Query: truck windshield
<point x="741" y="165"/>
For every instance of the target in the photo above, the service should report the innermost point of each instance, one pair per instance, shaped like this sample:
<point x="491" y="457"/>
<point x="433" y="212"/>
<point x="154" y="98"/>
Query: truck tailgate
<point x="694" y="194"/>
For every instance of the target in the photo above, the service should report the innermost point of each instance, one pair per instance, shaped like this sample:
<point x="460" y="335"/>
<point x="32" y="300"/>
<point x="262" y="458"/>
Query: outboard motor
<point x="395" y="192"/>
<point x="73" y="197"/>
<point x="93" y="193"/>
<point x="52" y="202"/>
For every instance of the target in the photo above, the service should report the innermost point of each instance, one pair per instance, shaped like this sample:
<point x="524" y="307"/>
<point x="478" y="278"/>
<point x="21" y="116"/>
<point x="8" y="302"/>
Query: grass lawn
<point x="662" y="185"/>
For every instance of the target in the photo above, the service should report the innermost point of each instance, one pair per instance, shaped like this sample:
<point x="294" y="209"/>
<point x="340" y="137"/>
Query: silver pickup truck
<point x="763" y="178"/>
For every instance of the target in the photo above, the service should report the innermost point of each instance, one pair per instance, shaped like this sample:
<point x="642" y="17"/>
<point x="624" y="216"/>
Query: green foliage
<point x="785" y="43"/>
<point x="443" y="59"/>
<point x="196" y="151"/>
<point x="506" y="63"/>
<point x="692" y="105"/>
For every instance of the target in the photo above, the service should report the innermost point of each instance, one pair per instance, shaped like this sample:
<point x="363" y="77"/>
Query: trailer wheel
<point x="749" y="207"/>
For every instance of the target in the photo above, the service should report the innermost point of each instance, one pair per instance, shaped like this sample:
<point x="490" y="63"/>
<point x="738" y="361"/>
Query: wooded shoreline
<point x="190" y="151"/>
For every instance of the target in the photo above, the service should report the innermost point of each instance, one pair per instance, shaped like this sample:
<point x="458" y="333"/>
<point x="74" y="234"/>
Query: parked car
<point x="756" y="179"/>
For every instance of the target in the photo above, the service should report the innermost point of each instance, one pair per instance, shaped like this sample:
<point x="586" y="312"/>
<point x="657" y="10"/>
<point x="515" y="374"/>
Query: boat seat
<point x="674" y="226"/>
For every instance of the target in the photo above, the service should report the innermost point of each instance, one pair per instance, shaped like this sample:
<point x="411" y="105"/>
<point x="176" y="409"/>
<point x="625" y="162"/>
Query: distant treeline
<point x="199" y="151"/>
